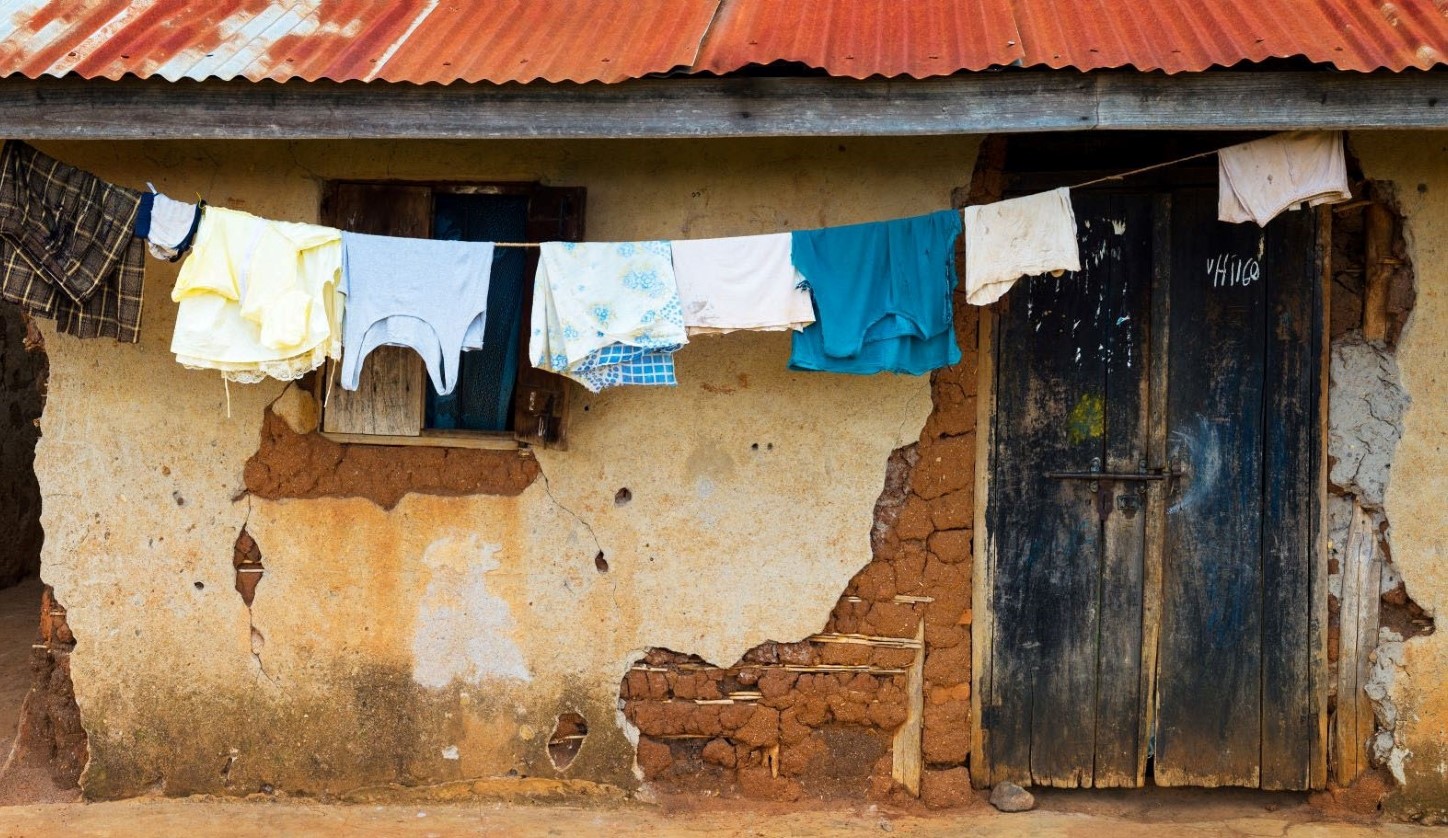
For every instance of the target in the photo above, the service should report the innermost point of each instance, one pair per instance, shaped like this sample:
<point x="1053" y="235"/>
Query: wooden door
<point x="1150" y="523"/>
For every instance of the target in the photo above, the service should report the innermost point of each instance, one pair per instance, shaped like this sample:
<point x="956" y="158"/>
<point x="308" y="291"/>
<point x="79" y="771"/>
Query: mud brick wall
<point x="816" y="717"/>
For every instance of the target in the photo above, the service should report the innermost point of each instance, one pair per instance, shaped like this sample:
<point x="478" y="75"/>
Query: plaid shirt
<point x="66" y="246"/>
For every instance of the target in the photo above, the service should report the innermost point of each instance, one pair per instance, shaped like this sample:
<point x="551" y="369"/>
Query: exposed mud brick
<point x="664" y="657"/>
<point x="776" y="683"/>
<point x="761" y="729"/>
<point x="745" y="756"/>
<point x="748" y="676"/>
<point x="636" y="685"/>
<point x="954" y="411"/>
<point x="845" y="654"/>
<point x="292" y="465"/>
<point x="848" y="711"/>
<point x="706" y="685"/>
<point x="791" y="729"/>
<point x="910" y="568"/>
<point x="861" y="685"/>
<point x="892" y="619"/>
<point x="797" y="654"/>
<point x="765" y="653"/>
<point x="955" y="511"/>
<point x="759" y="784"/>
<point x="812" y="710"/>
<point x="893" y="494"/>
<point x="797" y="759"/>
<point x="704" y="720"/>
<point x="945" y="467"/>
<point x="947" y="789"/>
<point x="887" y="715"/>
<point x="654" y="757"/>
<point x="946" y="740"/>
<point x="948" y="667"/>
<point x="951" y="547"/>
<point x="949" y="584"/>
<point x="848" y="617"/>
<point x="658" y="686"/>
<point x="682" y="685"/>
<point x="886" y="658"/>
<point x="938" y="636"/>
<point x="915" y="520"/>
<point x="876" y="582"/>
<point x="718" y="752"/>
<point x="944" y="695"/>
<point x="734" y="716"/>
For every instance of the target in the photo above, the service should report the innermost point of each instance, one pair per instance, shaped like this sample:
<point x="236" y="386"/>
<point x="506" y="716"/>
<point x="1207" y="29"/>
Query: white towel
<point x="1260" y="179"/>
<point x="1020" y="237"/>
<point x="744" y="282"/>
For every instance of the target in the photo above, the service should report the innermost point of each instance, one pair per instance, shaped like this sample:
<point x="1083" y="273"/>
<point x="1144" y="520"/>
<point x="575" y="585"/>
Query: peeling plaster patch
<point x="450" y="752"/>
<point x="463" y="632"/>
<point x="1366" y="407"/>
<point x="1387" y="661"/>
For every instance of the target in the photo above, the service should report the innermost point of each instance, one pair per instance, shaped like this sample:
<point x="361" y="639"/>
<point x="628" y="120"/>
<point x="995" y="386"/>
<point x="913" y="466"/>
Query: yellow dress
<point x="258" y="298"/>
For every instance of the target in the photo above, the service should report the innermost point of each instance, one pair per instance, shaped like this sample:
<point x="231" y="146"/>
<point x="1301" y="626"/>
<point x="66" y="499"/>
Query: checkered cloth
<point x="618" y="364"/>
<point x="66" y="246"/>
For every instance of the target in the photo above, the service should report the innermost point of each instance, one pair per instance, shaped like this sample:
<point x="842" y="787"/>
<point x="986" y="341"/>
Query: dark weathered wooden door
<point x="1149" y="549"/>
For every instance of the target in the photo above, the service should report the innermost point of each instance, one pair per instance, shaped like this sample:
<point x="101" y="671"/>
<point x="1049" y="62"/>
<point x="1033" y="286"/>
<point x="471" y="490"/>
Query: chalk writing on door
<point x="1229" y="270"/>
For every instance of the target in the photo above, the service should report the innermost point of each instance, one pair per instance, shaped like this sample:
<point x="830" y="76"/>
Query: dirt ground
<point x="19" y="616"/>
<point x="1126" y="815"/>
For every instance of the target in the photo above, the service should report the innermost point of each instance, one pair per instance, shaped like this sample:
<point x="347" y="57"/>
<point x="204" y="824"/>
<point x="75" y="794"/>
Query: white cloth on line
<point x="1025" y="236"/>
<point x="171" y="222"/>
<point x="1259" y="180"/>
<point x="743" y="282"/>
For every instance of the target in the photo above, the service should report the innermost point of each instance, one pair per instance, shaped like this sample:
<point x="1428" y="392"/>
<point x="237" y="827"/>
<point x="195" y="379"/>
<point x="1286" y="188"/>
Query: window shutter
<point x="540" y="405"/>
<point x="393" y="387"/>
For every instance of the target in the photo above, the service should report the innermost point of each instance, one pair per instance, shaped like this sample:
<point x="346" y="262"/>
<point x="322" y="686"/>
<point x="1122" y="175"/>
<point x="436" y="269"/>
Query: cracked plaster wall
<point x="369" y="664"/>
<point x="1417" y="164"/>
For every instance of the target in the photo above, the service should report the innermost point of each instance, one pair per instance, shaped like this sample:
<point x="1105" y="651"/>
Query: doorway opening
<point x="42" y="746"/>
<point x="1154" y="588"/>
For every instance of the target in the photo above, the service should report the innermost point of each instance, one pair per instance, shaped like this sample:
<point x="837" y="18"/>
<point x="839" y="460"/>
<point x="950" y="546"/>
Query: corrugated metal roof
<point x="612" y="40"/>
<point x="1190" y="35"/>
<point x="392" y="40"/>
<point x="862" y="38"/>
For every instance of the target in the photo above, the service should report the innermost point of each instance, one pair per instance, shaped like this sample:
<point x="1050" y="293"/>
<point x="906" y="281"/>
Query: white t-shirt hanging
<point x="1259" y="180"/>
<point x="1025" y="236"/>
<point x="742" y="282"/>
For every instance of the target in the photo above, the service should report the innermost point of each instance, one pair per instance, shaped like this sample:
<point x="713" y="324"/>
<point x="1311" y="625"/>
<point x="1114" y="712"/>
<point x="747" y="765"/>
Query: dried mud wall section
<point x="1417" y="166"/>
<point x="436" y="642"/>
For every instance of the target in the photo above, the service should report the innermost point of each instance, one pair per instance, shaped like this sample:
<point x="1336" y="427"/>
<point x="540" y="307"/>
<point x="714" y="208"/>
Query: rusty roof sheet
<point x="1190" y="35"/>
<point x="862" y="38"/>
<point x="344" y="40"/>
<point x="500" y="41"/>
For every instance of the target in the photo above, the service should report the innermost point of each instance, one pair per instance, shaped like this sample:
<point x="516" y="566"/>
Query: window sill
<point x="437" y="439"/>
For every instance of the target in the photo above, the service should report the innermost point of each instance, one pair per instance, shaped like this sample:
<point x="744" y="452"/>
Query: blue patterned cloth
<point x="607" y="313"/>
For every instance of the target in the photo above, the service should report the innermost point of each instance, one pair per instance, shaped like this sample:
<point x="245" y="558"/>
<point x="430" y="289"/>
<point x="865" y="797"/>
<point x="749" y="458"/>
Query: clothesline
<point x="1083" y="185"/>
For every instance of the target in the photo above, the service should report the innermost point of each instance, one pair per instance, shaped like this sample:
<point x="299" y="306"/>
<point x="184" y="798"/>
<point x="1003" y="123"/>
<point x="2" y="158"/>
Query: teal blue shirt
<point x="882" y="296"/>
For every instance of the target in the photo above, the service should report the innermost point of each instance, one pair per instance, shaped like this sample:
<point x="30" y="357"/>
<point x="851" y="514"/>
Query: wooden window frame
<point x="540" y="398"/>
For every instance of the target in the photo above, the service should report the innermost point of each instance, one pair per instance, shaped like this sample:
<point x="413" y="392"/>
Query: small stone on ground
<point x="1009" y="797"/>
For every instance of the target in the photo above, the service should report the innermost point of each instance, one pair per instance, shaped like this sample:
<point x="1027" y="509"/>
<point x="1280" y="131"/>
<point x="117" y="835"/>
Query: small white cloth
<point x="1260" y="179"/>
<point x="171" y="222"/>
<point x="744" y="282"/>
<point x="1020" y="237"/>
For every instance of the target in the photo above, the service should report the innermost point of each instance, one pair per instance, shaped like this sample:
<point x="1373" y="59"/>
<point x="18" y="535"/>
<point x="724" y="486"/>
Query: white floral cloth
<point x="607" y="313"/>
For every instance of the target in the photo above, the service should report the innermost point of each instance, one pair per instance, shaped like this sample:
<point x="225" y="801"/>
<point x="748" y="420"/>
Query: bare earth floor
<point x="1124" y="816"/>
<point x="19" y="619"/>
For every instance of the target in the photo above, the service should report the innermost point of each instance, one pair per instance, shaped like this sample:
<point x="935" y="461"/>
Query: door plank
<point x="1126" y="273"/>
<point x="983" y="559"/>
<point x="1209" y="682"/>
<point x="1156" y="461"/>
<point x="1362" y="570"/>
<point x="1288" y="524"/>
<point x="1040" y="716"/>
